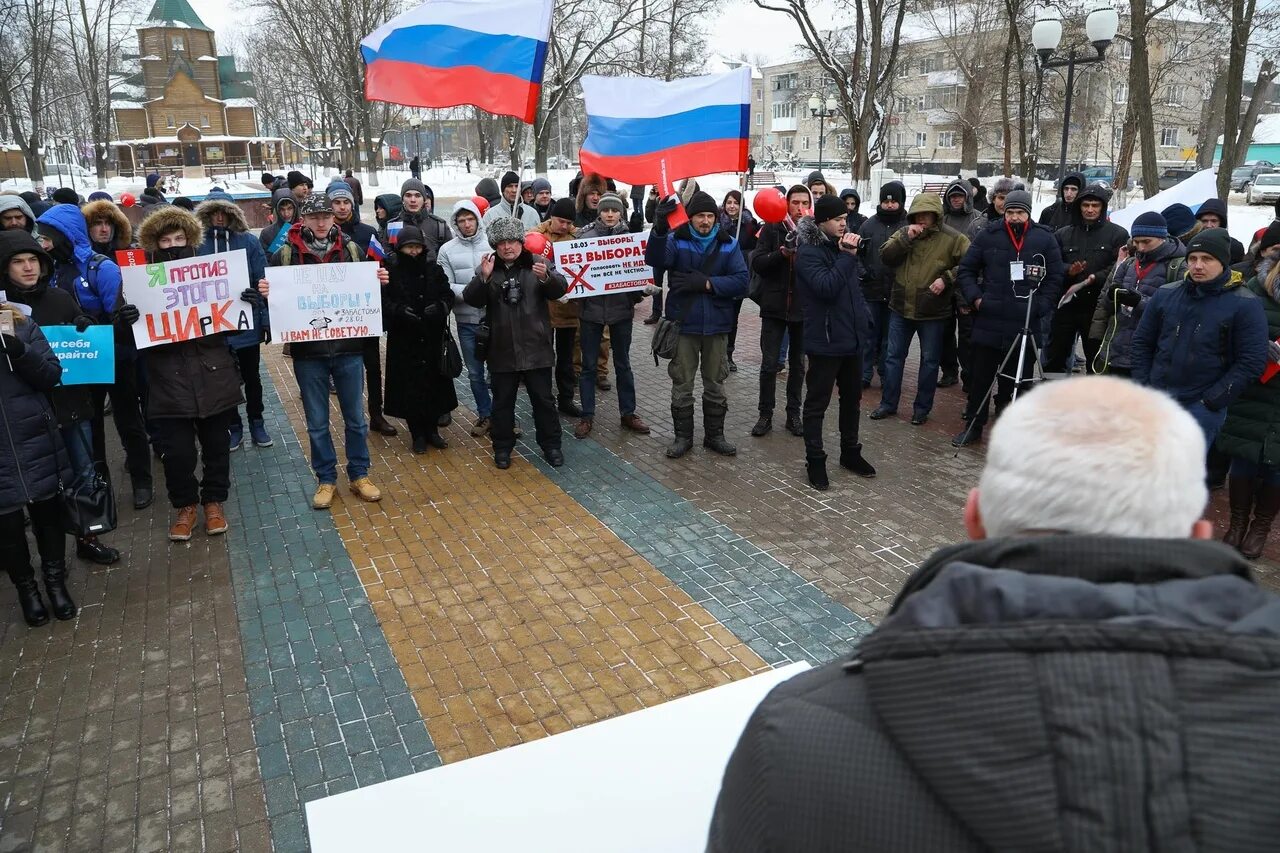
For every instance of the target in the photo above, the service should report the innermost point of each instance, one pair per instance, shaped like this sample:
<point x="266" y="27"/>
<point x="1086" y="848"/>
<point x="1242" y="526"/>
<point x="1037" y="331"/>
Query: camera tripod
<point x="1024" y="342"/>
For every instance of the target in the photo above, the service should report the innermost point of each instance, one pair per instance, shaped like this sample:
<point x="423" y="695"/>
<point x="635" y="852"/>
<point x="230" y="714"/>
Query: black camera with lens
<point x="512" y="292"/>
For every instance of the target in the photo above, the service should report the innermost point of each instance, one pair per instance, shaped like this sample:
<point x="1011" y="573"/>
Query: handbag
<point x="450" y="355"/>
<point x="484" y="333"/>
<point x="666" y="334"/>
<point x="88" y="508"/>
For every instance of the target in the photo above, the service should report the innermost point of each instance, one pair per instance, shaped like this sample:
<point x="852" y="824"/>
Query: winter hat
<point x="487" y="188"/>
<point x="1213" y="241"/>
<point x="505" y="228"/>
<point x="268" y="179"/>
<point x="975" y="183"/>
<point x="185" y="203"/>
<point x="540" y="185"/>
<point x="1270" y="237"/>
<point x="99" y="195"/>
<point x="1216" y="207"/>
<point x="153" y="179"/>
<point x="1149" y="224"/>
<point x="700" y="203"/>
<point x="828" y="207"/>
<point x="612" y="201"/>
<point x="297" y="179"/>
<point x="1018" y="200"/>
<point x="408" y="235"/>
<point x="957" y="188"/>
<point x="508" y="178"/>
<point x="1179" y="218"/>
<point x="340" y="189"/>
<point x="564" y="208"/>
<point x="1075" y="179"/>
<point x="315" y="203"/>
<point x="66" y="195"/>
<point x="894" y="191"/>
<point x="413" y="185"/>
<point x="1006" y="185"/>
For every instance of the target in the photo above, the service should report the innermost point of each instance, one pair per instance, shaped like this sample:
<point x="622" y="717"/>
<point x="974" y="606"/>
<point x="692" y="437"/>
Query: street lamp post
<point x="1100" y="27"/>
<point x="822" y="110"/>
<point x="416" y="122"/>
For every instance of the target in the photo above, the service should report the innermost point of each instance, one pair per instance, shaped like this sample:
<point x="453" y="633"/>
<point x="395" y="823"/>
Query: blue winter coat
<point x="32" y="457"/>
<point x="829" y="288"/>
<point x="228" y="240"/>
<point x="984" y="274"/>
<point x="97" y="292"/>
<point x="1113" y="323"/>
<point x="708" y="313"/>
<point x="1201" y="342"/>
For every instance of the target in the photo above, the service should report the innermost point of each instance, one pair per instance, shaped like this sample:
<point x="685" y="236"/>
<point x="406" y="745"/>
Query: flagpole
<point x="742" y="204"/>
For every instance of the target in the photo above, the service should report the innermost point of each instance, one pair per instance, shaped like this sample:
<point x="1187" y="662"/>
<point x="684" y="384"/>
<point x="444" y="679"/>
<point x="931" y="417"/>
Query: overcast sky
<point x="738" y="26"/>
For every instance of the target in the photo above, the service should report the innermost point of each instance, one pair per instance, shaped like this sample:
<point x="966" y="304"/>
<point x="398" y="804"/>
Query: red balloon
<point x="481" y="203"/>
<point x="770" y="205"/>
<point x="537" y="244"/>
<point x="127" y="199"/>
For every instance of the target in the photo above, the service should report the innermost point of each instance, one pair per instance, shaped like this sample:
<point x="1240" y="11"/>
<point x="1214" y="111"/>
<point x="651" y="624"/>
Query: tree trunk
<point x="1006" y="124"/>
<point x="1140" y="97"/>
<point x="969" y="147"/>
<point x="1243" y="136"/>
<point x="1211" y="118"/>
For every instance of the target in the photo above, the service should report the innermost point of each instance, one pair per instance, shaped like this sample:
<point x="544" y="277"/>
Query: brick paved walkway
<point x="210" y="689"/>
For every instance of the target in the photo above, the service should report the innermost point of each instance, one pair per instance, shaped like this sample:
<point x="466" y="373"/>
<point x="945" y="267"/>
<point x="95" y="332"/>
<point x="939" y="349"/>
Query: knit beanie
<point x="612" y="201"/>
<point x="413" y="185"/>
<point x="297" y="179"/>
<point x="1212" y="241"/>
<point x="828" y="207"/>
<point x="185" y="203"/>
<point x="1149" y="224"/>
<point x="1179" y="218"/>
<point x="153" y="179"/>
<point x="410" y="235"/>
<point x="701" y="203"/>
<point x="1018" y="200"/>
<point x="66" y="195"/>
<point x="894" y="191"/>
<point x="99" y="195"/>
<point x="541" y="184"/>
<point x="1270" y="237"/>
<point x="505" y="228"/>
<point x="564" y="208"/>
<point x="508" y="179"/>
<point x="340" y="189"/>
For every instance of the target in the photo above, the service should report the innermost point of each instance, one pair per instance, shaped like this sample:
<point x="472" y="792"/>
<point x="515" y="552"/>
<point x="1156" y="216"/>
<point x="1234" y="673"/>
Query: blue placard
<point x="88" y="357"/>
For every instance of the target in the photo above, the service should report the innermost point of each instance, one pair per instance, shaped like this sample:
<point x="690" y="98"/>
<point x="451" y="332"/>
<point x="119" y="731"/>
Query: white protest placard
<point x="598" y="265"/>
<point x="187" y="299"/>
<point x="324" y="302"/>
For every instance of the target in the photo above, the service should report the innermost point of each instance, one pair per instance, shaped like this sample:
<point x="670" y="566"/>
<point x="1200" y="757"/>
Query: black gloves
<point x="1128" y="298"/>
<point x="126" y="315"/>
<point x="409" y="315"/>
<point x="432" y="310"/>
<point x="665" y="207"/>
<point x="13" y="347"/>
<point x="679" y="281"/>
<point x="82" y="322"/>
<point x="253" y="297"/>
<point x="791" y="239"/>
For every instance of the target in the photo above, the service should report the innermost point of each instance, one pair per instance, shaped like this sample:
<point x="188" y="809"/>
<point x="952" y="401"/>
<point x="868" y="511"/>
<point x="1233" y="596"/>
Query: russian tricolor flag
<point x="643" y="131"/>
<point x="446" y="53"/>
<point x="376" y="252"/>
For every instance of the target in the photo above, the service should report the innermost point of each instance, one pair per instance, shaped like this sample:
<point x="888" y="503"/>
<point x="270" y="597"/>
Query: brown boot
<point x="583" y="429"/>
<point x="1264" y="513"/>
<point x="215" y="521"/>
<point x="634" y="423"/>
<point x="183" y="524"/>
<point x="1241" y="491"/>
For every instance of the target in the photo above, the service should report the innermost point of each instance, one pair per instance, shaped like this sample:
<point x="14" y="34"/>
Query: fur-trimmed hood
<point x="164" y="220"/>
<point x="809" y="234"/>
<point x="236" y="222"/>
<point x="109" y="210"/>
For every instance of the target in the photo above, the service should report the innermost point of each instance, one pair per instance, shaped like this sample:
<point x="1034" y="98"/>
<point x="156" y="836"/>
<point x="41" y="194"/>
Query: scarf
<point x="704" y="243"/>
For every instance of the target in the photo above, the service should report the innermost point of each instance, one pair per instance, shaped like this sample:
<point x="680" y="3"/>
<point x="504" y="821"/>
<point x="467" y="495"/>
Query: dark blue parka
<point x="1201" y="342"/>
<point x="984" y="274"/>
<point x="828" y="285"/>
<point x="32" y="457"/>
<point x="708" y="313"/>
<point x="227" y="239"/>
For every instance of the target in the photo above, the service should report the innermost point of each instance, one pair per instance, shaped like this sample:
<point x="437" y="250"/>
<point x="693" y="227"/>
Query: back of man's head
<point x="1094" y="455"/>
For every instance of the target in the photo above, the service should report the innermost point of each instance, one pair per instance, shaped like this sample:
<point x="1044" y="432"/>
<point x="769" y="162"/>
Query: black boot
<point x="24" y="580"/>
<point x="91" y="549"/>
<point x="795" y="425"/>
<point x="817" y="466"/>
<point x="851" y="458"/>
<point x="763" y="426"/>
<point x="713" y="429"/>
<point x="55" y="583"/>
<point x="1264" y="513"/>
<point x="682" y="419"/>
<point x="1241" y="491"/>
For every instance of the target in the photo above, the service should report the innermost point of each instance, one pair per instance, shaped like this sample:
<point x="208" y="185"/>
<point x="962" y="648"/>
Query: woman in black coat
<point x="731" y="209"/>
<point x="416" y="305"/>
<point x="33" y="465"/>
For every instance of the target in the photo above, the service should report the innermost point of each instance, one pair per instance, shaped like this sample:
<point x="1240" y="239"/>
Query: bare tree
<point x="1251" y="29"/>
<point x="860" y="62"/>
<point x="98" y="29"/>
<point x="27" y="32"/>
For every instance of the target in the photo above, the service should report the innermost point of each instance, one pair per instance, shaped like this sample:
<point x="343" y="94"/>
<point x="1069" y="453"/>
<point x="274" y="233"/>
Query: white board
<point x="643" y="782"/>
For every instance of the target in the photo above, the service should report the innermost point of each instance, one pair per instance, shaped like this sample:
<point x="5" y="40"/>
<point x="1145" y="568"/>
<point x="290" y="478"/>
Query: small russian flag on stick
<point x="376" y="252"/>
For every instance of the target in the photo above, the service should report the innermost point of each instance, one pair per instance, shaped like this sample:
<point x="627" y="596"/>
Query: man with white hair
<point x="1089" y="672"/>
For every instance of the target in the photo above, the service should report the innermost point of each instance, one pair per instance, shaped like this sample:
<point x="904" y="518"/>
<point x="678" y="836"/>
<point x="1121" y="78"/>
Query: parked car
<point x="1264" y="189"/>
<point x="1170" y="178"/>
<point x="1242" y="176"/>
<point x="1104" y="175"/>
